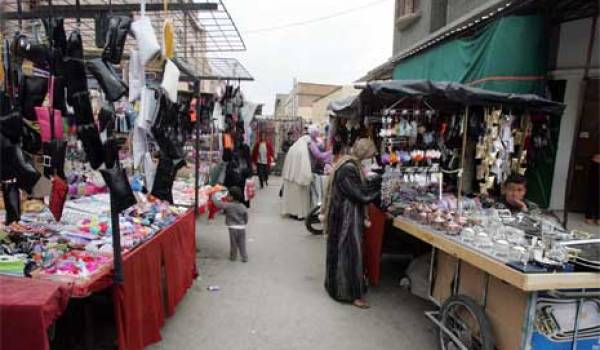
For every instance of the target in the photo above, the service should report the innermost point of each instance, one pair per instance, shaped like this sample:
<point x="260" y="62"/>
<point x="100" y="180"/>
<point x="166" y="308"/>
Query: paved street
<point x="277" y="300"/>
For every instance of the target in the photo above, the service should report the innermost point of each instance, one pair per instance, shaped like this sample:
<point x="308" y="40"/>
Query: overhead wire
<point x="314" y="20"/>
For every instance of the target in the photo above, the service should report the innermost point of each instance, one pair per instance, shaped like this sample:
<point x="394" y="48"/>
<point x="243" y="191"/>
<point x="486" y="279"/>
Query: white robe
<point x="297" y="177"/>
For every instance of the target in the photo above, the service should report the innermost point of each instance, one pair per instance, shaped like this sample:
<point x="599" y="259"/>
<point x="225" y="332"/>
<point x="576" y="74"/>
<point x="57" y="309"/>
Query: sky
<point x="337" y="50"/>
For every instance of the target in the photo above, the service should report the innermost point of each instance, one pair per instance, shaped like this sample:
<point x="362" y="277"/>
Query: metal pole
<point x="465" y="123"/>
<point x="581" y="98"/>
<point x="197" y="148"/>
<point x="116" y="240"/>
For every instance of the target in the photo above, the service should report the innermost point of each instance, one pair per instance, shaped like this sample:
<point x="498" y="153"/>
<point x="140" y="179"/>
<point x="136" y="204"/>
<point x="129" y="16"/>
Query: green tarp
<point x="508" y="55"/>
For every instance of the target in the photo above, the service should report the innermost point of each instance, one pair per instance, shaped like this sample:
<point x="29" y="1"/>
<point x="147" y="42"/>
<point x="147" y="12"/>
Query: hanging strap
<point x="78" y="10"/>
<point x="20" y="14"/>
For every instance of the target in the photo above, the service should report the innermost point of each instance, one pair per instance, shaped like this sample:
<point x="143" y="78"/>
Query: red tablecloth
<point x="372" y="244"/>
<point x="139" y="311"/>
<point x="27" y="308"/>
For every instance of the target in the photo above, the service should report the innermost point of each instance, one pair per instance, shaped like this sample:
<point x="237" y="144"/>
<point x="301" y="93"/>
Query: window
<point x="406" y="7"/>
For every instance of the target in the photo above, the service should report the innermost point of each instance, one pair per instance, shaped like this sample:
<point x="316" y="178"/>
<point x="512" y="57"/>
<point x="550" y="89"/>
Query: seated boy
<point x="513" y="196"/>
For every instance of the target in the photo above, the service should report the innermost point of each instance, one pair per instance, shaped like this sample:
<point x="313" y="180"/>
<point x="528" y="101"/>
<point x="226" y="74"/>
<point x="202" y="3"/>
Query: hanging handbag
<point x="114" y="88"/>
<point x="33" y="91"/>
<point x="121" y="194"/>
<point x="106" y="118"/>
<point x="118" y="27"/>
<point x="92" y="145"/>
<point x="75" y="75"/>
<point x="111" y="152"/>
<point x="168" y="39"/>
<point x="170" y="80"/>
<point x="54" y="158"/>
<point x="82" y="107"/>
<point x="12" y="202"/>
<point x="164" y="178"/>
<point x="51" y="126"/>
<point x="58" y="197"/>
<point x="27" y="174"/>
<point x="11" y="126"/>
<point x="145" y="36"/>
<point x="31" y="139"/>
<point x="23" y="48"/>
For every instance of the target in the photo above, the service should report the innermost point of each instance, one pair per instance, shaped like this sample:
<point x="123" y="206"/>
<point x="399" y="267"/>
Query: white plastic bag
<point x="148" y="109"/>
<point x="145" y="36"/>
<point x="140" y="146"/>
<point x="149" y="170"/>
<point x="171" y="80"/>
<point x="136" y="76"/>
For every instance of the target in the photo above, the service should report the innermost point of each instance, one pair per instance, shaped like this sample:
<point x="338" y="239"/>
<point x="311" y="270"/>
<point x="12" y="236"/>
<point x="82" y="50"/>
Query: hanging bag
<point x="113" y="87"/>
<point x="145" y="36"/>
<point x="50" y="119"/>
<point x="170" y="80"/>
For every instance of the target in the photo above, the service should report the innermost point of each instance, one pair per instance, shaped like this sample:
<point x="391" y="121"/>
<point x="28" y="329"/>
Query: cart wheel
<point x="466" y="320"/>
<point x="312" y="222"/>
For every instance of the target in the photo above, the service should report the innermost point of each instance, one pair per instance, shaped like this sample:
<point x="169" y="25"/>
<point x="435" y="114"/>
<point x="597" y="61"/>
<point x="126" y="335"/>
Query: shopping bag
<point x="58" y="197"/>
<point x="171" y="80"/>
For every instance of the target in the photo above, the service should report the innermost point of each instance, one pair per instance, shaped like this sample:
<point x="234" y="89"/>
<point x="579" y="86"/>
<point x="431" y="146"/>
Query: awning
<point x="346" y="106"/>
<point x="386" y="93"/>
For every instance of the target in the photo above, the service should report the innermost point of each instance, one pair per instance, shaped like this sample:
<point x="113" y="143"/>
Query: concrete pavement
<point x="276" y="301"/>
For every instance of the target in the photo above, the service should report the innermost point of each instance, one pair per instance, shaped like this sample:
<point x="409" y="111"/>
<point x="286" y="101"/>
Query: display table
<point x="156" y="276"/>
<point x="27" y="308"/>
<point x="507" y="296"/>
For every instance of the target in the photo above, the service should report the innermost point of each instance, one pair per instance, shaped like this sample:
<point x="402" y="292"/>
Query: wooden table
<point x="507" y="296"/>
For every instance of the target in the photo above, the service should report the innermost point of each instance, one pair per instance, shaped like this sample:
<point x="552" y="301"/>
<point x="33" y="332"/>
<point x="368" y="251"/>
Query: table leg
<point x="527" y="329"/>
<point x="88" y="320"/>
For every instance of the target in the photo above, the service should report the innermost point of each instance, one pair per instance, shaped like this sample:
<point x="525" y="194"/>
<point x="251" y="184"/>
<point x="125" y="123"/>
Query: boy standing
<point x="236" y="218"/>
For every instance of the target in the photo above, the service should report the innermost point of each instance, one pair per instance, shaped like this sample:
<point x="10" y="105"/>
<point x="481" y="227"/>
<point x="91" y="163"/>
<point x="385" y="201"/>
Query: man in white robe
<point x="297" y="177"/>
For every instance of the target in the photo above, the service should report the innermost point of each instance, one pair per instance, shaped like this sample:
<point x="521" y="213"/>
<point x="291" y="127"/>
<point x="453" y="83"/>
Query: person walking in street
<point x="344" y="216"/>
<point x="236" y="219"/>
<point x="262" y="156"/>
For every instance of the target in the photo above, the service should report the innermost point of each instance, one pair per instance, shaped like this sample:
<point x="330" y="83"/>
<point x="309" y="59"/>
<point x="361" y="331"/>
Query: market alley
<point x="277" y="300"/>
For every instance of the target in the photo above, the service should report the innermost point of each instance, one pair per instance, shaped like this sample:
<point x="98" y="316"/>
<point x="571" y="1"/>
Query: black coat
<point x="344" y="280"/>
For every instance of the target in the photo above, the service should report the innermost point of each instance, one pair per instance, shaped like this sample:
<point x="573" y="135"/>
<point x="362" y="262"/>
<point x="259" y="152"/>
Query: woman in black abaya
<point x="344" y="216"/>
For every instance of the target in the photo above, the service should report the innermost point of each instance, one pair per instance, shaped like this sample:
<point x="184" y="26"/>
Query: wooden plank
<point x="506" y="309"/>
<point x="526" y="282"/>
<point x="443" y="277"/>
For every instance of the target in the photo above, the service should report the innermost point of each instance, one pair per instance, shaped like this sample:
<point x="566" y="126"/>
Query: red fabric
<point x="139" y="301"/>
<point x="270" y="153"/>
<point x="58" y="196"/>
<point x="27" y="308"/>
<point x="372" y="244"/>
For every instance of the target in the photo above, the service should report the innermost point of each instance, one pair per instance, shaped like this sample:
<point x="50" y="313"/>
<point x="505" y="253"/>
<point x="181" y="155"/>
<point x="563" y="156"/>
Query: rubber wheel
<point x="467" y="320"/>
<point x="312" y="222"/>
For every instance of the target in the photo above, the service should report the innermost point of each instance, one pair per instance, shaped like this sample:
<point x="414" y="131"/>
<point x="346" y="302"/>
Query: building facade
<point x="299" y="101"/>
<point x="320" y="113"/>
<point x="513" y="46"/>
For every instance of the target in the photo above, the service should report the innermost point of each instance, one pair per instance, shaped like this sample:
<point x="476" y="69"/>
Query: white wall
<point x="572" y="51"/>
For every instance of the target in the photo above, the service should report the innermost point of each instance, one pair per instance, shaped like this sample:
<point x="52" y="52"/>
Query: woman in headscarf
<point x="297" y="177"/>
<point x="343" y="214"/>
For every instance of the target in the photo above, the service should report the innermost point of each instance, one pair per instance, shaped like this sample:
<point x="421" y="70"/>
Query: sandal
<point x="361" y="304"/>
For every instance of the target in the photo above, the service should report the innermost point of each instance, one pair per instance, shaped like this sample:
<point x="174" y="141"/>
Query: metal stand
<point x="116" y="241"/>
<point x="197" y="148"/>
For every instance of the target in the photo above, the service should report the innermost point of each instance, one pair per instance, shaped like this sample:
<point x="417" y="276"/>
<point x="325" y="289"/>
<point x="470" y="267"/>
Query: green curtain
<point x="507" y="55"/>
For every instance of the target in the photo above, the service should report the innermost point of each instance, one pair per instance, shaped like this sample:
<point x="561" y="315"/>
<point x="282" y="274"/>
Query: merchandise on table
<point x="79" y="248"/>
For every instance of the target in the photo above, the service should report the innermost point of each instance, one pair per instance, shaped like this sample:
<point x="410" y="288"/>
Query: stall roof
<point x="200" y="27"/>
<point x="214" y="68"/>
<point x="389" y="92"/>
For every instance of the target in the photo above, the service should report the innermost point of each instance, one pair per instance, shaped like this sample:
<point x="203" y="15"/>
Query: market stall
<point x="108" y="118"/>
<point x="504" y="278"/>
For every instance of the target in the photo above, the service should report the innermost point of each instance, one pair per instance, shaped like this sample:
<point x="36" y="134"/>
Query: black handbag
<point x="27" y="174"/>
<point x="106" y="118"/>
<point x="165" y="176"/>
<point x="111" y="152"/>
<point x="118" y="27"/>
<point x="54" y="158"/>
<point x="121" y="195"/>
<point x="33" y="93"/>
<point x="31" y="139"/>
<point x="109" y="81"/>
<point x="82" y="107"/>
<point x="23" y="48"/>
<point x="12" y="202"/>
<point x="11" y="126"/>
<point x="92" y="145"/>
<point x="76" y="78"/>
